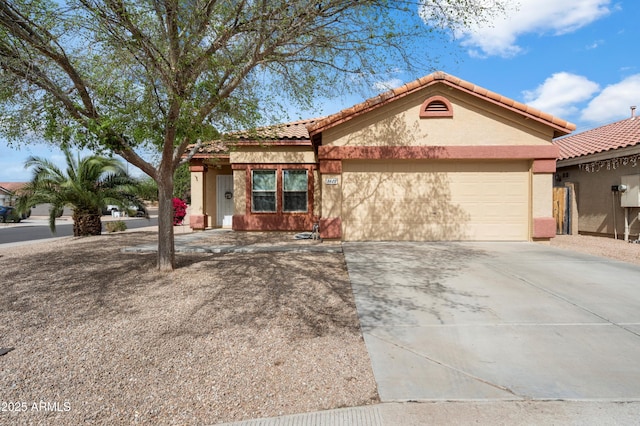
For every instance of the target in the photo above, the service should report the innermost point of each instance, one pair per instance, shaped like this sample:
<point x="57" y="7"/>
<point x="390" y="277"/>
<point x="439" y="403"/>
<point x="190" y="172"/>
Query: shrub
<point x="116" y="226"/>
<point x="179" y="211"/>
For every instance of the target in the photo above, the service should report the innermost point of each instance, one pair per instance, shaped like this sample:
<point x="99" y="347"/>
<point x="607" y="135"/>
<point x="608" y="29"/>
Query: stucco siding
<point x="599" y="209"/>
<point x="273" y="155"/>
<point x="317" y="193"/>
<point x="474" y="122"/>
<point x="541" y="195"/>
<point x="210" y="199"/>
<point x="239" y="192"/>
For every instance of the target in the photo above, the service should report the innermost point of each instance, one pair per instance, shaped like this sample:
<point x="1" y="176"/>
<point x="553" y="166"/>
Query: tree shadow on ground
<point x="410" y="283"/>
<point x="307" y="293"/>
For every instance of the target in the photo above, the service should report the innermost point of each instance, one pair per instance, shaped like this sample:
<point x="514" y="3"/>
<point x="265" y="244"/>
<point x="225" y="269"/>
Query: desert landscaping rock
<point x="101" y="337"/>
<point x="599" y="246"/>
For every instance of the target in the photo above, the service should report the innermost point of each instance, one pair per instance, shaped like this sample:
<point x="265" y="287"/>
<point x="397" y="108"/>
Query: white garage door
<point x="435" y="200"/>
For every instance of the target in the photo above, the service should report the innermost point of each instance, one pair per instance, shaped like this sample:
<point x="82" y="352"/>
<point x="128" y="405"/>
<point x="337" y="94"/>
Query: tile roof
<point x="279" y="134"/>
<point x="296" y="130"/>
<point x="561" y="127"/>
<point x="12" y="186"/>
<point x="612" y="136"/>
<point x="211" y="147"/>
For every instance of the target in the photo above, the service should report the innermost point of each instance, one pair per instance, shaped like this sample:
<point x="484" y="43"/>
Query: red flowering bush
<point x="179" y="211"/>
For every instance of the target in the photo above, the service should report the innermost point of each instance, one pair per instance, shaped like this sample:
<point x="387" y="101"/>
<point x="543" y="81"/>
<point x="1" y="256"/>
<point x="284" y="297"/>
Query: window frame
<point x="285" y="191"/>
<point x="274" y="191"/>
<point x="279" y="169"/>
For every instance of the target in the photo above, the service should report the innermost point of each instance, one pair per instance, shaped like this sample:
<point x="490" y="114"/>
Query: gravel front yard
<point x="102" y="337"/>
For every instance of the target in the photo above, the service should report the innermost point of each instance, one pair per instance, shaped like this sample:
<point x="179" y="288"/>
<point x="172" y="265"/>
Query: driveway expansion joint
<point x="562" y="298"/>
<point x="450" y="367"/>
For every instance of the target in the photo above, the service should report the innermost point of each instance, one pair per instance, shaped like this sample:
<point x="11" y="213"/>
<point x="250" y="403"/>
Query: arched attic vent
<point x="436" y="106"/>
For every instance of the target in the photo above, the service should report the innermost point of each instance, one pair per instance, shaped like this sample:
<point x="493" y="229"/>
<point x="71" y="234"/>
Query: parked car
<point x="131" y="211"/>
<point x="110" y="208"/>
<point x="9" y="214"/>
<point x="138" y="211"/>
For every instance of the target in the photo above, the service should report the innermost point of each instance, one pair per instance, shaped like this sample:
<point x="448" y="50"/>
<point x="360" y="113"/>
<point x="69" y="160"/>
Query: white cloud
<point x="594" y="45"/>
<point x="556" y="17"/>
<point x="383" y="86"/>
<point x="614" y="101"/>
<point x="561" y="93"/>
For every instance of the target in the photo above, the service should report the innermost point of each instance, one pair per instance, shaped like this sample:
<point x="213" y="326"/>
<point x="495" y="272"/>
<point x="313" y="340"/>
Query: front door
<point x="224" y="199"/>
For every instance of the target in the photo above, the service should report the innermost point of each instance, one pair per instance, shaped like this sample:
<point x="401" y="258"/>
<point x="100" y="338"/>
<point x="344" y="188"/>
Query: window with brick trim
<point x="294" y="190"/>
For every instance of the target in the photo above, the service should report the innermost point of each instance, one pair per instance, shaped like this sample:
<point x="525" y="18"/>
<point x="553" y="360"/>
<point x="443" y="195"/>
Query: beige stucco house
<point x="436" y="159"/>
<point x="592" y="166"/>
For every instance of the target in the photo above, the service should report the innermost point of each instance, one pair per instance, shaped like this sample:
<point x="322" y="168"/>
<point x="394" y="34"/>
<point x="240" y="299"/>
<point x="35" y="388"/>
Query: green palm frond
<point x="86" y="185"/>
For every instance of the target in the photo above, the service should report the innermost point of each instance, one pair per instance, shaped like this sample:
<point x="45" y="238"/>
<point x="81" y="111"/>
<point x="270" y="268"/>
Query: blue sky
<point x="576" y="59"/>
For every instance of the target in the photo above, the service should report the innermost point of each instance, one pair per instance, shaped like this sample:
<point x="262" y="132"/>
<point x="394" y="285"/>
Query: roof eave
<point x="599" y="156"/>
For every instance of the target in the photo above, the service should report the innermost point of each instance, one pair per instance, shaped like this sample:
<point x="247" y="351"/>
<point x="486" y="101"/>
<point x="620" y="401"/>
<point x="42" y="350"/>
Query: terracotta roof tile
<point x="295" y="131"/>
<point x="12" y="186"/>
<point x="287" y="131"/>
<point x="561" y="127"/>
<point x="605" y="138"/>
<point x="212" y="147"/>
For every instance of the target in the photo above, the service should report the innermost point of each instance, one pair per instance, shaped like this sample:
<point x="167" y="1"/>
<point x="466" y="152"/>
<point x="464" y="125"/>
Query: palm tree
<point x="87" y="186"/>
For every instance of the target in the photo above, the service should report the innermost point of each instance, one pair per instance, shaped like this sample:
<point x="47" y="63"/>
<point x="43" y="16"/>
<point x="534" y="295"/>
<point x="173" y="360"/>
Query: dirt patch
<point x="101" y="337"/>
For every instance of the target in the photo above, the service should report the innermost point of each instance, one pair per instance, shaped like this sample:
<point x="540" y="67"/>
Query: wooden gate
<point x="562" y="210"/>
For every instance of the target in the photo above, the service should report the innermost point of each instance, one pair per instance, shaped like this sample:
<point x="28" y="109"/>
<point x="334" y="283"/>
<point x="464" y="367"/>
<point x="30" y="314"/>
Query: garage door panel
<point x="435" y="201"/>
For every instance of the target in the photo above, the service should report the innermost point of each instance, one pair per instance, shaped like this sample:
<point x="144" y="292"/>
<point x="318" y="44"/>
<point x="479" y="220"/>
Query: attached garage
<point x="435" y="200"/>
<point x="439" y="159"/>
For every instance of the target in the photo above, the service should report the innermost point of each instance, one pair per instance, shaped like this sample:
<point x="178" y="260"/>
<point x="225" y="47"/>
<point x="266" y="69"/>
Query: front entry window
<point x="294" y="190"/>
<point x="264" y="190"/>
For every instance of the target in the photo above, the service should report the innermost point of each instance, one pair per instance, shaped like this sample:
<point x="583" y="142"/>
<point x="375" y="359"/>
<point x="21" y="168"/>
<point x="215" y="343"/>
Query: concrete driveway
<point x="497" y="321"/>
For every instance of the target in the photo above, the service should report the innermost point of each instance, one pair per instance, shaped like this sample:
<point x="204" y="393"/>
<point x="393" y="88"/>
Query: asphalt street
<point x="37" y="228"/>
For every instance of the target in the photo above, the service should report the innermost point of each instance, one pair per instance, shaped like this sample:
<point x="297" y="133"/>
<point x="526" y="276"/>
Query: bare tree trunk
<point x="166" y="244"/>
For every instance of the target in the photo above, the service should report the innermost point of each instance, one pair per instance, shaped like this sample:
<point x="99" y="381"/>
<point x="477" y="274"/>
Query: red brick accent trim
<point x="544" y="166"/>
<point x="333" y="167"/>
<point x="331" y="228"/>
<point x="427" y="114"/>
<point x="544" y="227"/>
<point x="483" y="152"/>
<point x="236" y="166"/>
<point x="278" y="220"/>
<point x="198" y="221"/>
<point x="197" y="166"/>
<point x="273" y="222"/>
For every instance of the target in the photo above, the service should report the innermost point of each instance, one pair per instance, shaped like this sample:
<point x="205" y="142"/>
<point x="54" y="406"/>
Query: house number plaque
<point x="331" y="181"/>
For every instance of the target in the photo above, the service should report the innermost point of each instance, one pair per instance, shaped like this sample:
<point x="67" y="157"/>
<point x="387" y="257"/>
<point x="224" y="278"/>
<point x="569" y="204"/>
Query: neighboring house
<point x="593" y="164"/>
<point x="8" y="192"/>
<point x="436" y="159"/>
